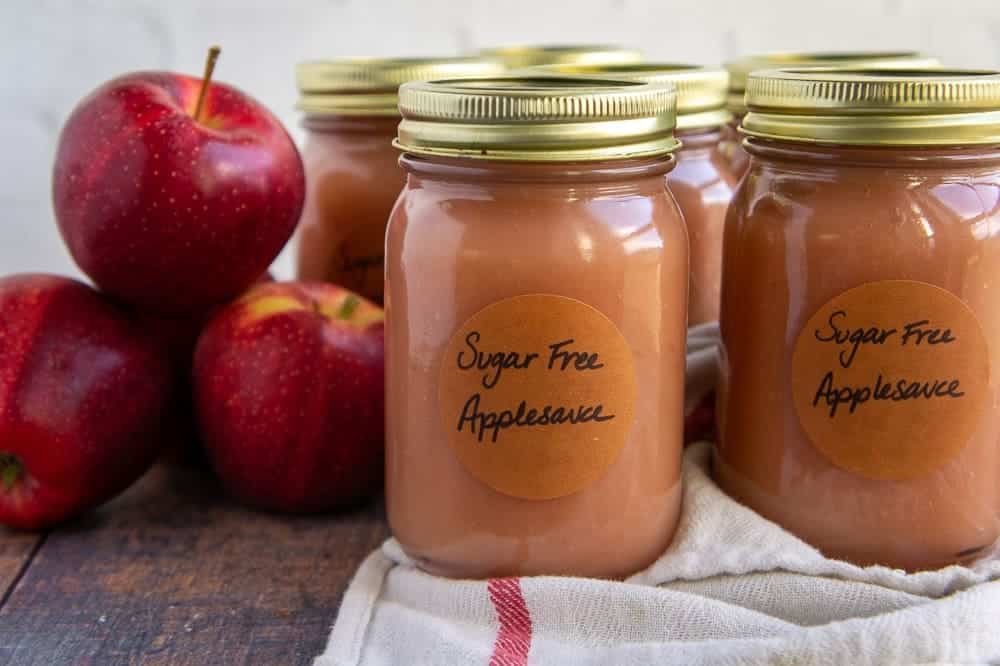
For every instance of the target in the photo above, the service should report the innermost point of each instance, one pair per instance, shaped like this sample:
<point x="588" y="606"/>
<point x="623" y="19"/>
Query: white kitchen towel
<point x="732" y="588"/>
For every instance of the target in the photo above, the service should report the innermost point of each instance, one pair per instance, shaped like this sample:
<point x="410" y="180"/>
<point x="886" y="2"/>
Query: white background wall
<point x="54" y="52"/>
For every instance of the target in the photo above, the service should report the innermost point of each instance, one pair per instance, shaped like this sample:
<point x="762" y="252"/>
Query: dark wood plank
<point x="16" y="550"/>
<point x="173" y="573"/>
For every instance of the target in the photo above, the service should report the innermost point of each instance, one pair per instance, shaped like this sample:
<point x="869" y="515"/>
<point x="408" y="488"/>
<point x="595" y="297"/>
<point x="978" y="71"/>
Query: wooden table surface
<point x="172" y="572"/>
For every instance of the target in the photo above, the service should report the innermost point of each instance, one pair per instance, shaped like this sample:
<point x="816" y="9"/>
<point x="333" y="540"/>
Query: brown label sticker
<point x="890" y="379"/>
<point x="537" y="395"/>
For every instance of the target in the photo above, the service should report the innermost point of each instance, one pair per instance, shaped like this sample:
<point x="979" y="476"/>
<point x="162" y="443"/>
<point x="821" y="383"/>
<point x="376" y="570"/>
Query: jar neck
<point x="633" y="174"/>
<point x="987" y="156"/>
<point x="699" y="137"/>
<point x="329" y="123"/>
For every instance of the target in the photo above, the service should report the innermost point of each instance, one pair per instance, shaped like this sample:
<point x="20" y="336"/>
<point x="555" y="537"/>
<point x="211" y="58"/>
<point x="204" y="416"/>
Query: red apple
<point x="81" y="394"/>
<point x="177" y="336"/>
<point x="289" y="393"/>
<point x="177" y="333"/>
<point x="171" y="211"/>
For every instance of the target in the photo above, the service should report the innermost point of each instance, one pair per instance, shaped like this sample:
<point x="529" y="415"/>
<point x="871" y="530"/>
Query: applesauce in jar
<point x="740" y="69"/>
<point x="352" y="175"/>
<point x="536" y="287"/>
<point x="858" y="405"/>
<point x="703" y="180"/>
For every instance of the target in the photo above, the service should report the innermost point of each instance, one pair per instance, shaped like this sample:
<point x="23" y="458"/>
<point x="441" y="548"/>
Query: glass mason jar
<point x="536" y="285"/>
<point x="702" y="182"/>
<point x="740" y="69"/>
<point x="352" y="172"/>
<point x="858" y="404"/>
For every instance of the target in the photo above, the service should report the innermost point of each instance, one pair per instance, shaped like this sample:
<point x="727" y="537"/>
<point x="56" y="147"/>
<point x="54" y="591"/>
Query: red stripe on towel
<point x="514" y="637"/>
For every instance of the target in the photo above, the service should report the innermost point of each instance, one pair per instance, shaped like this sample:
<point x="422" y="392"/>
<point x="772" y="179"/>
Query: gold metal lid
<point x="537" y="119"/>
<point x="875" y="107"/>
<point x="739" y="70"/>
<point x="368" y="86"/>
<point x="701" y="91"/>
<point x="517" y="56"/>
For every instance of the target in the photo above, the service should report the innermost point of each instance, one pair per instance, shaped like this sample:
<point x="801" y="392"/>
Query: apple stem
<point x="206" y="78"/>
<point x="348" y="307"/>
<point x="10" y="470"/>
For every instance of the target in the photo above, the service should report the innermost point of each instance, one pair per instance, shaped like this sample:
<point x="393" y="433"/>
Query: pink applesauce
<point x="860" y="314"/>
<point x="535" y="304"/>
<point x="352" y="182"/>
<point x="352" y="176"/>
<point x="703" y="179"/>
